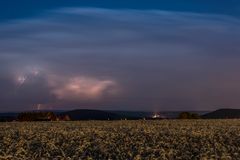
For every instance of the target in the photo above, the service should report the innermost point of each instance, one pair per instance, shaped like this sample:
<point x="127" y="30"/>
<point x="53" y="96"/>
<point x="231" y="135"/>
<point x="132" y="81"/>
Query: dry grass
<point x="168" y="139"/>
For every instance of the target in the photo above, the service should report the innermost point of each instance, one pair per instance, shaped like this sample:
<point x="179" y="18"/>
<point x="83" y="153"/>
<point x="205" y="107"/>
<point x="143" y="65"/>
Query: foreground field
<point x="168" y="139"/>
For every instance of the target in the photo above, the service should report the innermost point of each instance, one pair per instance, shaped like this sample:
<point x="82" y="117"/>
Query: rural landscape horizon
<point x="119" y="80"/>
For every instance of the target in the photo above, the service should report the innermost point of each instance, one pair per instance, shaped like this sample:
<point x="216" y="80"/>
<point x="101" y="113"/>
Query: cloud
<point x="85" y="56"/>
<point x="81" y="88"/>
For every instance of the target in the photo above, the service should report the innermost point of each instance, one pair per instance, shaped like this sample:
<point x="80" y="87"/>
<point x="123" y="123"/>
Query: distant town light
<point x="156" y="115"/>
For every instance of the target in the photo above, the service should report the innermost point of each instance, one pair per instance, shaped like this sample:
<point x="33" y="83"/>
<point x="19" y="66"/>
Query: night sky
<point x="119" y="55"/>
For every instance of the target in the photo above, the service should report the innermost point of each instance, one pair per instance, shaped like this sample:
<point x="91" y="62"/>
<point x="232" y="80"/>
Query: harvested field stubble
<point x="166" y="139"/>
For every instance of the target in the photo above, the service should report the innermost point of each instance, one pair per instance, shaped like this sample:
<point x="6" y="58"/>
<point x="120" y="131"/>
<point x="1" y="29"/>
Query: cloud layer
<point x="80" y="88"/>
<point x="120" y="59"/>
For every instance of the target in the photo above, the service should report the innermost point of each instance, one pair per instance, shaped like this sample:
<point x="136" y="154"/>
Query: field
<point x="166" y="139"/>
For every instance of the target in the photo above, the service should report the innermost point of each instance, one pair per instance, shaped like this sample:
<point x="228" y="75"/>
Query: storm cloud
<point x="120" y="59"/>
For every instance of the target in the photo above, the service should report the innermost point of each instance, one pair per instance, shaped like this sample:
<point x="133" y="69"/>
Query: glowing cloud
<point x="82" y="88"/>
<point x="21" y="80"/>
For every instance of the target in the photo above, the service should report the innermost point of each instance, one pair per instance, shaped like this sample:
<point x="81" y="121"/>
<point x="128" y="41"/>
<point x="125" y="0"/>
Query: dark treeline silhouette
<point x="188" y="115"/>
<point x="86" y="114"/>
<point x="37" y="116"/>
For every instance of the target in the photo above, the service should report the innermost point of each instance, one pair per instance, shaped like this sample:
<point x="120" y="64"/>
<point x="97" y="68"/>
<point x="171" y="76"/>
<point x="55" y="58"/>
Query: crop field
<point x="166" y="139"/>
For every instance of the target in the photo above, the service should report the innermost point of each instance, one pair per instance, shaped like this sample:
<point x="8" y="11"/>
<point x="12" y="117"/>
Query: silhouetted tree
<point x="37" y="116"/>
<point x="187" y="115"/>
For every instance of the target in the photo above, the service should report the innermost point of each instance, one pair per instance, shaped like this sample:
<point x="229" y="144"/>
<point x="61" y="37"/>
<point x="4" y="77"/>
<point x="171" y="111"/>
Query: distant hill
<point x="163" y="114"/>
<point x="9" y="114"/>
<point x="91" y="114"/>
<point x="86" y="114"/>
<point x="223" y="114"/>
<point x="141" y="114"/>
<point x="7" y="118"/>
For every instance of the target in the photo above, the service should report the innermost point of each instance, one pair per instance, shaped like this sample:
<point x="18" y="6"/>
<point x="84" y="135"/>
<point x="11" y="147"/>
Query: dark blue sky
<point x="119" y="55"/>
<point x="12" y="9"/>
